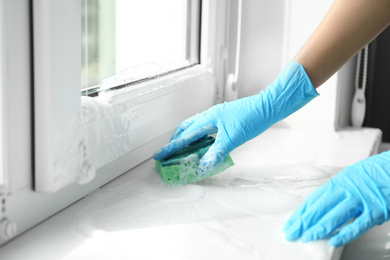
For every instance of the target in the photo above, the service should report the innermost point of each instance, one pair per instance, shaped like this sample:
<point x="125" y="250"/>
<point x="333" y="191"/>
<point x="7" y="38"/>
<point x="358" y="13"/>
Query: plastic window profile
<point x="58" y="108"/>
<point x="199" y="86"/>
<point x="2" y="115"/>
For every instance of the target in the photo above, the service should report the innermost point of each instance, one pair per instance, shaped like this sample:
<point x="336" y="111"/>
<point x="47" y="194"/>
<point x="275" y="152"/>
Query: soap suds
<point x="239" y="192"/>
<point x="110" y="127"/>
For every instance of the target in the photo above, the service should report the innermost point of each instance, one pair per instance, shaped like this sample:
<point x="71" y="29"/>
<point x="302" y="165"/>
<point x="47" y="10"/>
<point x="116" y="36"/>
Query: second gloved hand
<point x="360" y="192"/>
<point x="241" y="120"/>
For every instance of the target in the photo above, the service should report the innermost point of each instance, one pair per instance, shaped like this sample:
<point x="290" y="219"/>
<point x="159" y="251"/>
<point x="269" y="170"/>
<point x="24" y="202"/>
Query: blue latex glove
<point x="360" y="191"/>
<point x="241" y="120"/>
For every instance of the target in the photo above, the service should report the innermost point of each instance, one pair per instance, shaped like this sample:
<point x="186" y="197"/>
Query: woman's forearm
<point x="346" y="29"/>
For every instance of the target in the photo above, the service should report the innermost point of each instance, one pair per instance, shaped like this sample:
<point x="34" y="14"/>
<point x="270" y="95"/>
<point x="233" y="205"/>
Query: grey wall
<point x="272" y="32"/>
<point x="261" y="45"/>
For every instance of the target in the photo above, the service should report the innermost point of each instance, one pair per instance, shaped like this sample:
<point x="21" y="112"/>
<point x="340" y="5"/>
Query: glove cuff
<point x="290" y="91"/>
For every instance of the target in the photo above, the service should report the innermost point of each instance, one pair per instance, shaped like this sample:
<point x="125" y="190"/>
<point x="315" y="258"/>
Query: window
<point x="127" y="41"/>
<point x="79" y="135"/>
<point x="56" y="138"/>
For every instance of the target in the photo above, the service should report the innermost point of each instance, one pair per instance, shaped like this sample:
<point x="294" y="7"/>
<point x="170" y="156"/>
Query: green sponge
<point x="182" y="167"/>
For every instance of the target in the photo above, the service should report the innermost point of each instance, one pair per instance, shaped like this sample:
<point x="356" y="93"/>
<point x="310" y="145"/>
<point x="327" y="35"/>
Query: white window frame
<point x="37" y="142"/>
<point x="3" y="140"/>
<point x="67" y="148"/>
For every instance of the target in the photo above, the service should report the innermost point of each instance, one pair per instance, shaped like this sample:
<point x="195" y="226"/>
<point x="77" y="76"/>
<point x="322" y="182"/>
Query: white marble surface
<point x="237" y="214"/>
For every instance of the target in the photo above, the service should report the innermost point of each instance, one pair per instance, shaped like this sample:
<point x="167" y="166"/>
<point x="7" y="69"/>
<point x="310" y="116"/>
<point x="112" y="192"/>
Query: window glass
<point x="129" y="40"/>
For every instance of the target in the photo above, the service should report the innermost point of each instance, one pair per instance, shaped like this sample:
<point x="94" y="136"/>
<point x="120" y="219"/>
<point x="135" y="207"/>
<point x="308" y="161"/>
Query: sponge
<point x="182" y="167"/>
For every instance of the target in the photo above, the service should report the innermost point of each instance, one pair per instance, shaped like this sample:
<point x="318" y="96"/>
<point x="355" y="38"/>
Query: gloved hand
<point x="360" y="191"/>
<point x="241" y="120"/>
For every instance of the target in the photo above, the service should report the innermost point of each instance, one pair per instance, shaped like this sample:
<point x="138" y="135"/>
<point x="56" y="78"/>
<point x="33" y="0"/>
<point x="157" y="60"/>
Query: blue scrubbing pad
<point x="182" y="167"/>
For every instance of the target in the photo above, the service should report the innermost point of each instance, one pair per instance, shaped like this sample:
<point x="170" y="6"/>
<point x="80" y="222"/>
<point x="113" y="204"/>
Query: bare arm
<point x="346" y="29"/>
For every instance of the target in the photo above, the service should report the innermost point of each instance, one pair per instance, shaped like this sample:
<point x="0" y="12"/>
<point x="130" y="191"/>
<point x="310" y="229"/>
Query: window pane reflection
<point x="128" y="40"/>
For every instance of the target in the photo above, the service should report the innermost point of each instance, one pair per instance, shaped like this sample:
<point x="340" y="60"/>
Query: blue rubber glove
<point x="241" y="120"/>
<point x="360" y="191"/>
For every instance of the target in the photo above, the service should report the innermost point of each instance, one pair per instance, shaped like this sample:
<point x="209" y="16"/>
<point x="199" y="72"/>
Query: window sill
<point x="237" y="204"/>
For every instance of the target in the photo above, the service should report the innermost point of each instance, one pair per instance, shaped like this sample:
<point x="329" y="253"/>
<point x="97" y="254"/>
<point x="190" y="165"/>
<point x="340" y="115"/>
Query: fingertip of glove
<point x="293" y="231"/>
<point x="206" y="167"/>
<point x="341" y="239"/>
<point x="208" y="164"/>
<point x="160" y="154"/>
<point x="292" y="236"/>
<point x="157" y="156"/>
<point x="336" y="242"/>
